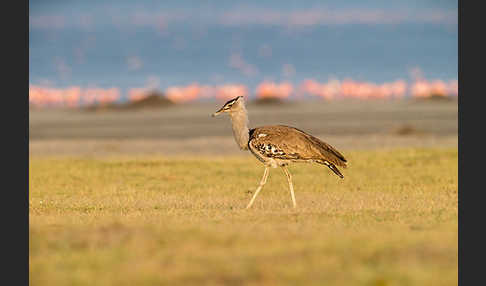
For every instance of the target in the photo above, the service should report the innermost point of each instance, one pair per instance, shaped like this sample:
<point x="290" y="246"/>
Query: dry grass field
<point x="117" y="205"/>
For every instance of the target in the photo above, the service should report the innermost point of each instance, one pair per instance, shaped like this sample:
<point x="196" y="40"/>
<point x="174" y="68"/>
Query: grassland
<point x="180" y="220"/>
<point x="157" y="197"/>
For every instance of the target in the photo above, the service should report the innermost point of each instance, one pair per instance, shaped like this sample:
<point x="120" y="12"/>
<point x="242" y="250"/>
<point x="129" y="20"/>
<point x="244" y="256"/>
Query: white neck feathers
<point x="239" y="121"/>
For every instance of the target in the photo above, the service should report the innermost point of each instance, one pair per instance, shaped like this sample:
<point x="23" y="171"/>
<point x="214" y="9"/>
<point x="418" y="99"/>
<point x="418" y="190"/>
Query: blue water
<point x="199" y="50"/>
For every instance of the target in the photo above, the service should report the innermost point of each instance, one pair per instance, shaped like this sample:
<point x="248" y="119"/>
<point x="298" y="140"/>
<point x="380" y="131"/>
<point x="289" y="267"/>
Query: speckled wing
<point x="289" y="143"/>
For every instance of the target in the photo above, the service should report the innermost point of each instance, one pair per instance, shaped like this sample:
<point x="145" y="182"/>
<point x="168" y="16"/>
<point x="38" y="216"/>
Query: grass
<point x="154" y="220"/>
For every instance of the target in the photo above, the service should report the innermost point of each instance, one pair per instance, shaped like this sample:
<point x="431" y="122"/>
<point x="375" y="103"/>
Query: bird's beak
<point x="217" y="112"/>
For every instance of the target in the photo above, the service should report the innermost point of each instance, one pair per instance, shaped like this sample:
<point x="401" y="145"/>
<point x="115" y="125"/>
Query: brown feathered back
<point x="293" y="144"/>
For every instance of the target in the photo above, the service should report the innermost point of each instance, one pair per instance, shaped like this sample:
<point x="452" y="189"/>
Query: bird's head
<point x="231" y="105"/>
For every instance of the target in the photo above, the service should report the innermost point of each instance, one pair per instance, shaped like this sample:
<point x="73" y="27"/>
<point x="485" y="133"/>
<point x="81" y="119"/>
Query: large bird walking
<point x="278" y="145"/>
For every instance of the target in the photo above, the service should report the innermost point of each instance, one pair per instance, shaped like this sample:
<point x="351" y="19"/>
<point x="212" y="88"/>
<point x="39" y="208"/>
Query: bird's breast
<point x="267" y="150"/>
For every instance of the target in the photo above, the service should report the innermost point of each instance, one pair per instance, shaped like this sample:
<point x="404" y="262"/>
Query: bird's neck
<point x="239" y="121"/>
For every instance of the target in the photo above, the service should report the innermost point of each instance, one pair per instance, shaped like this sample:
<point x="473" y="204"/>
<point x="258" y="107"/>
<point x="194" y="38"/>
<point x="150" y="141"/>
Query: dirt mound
<point x="406" y="130"/>
<point x="268" y="101"/>
<point x="152" y="100"/>
<point x="435" y="98"/>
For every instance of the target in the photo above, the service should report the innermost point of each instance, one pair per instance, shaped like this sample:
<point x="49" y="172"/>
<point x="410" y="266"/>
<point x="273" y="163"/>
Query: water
<point x="165" y="44"/>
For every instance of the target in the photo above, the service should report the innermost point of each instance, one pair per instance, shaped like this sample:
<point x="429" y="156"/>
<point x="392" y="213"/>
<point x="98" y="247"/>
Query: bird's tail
<point x="332" y="167"/>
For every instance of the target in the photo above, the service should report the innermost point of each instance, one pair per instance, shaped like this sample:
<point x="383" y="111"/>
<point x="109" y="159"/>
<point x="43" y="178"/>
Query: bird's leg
<point x="289" y="179"/>
<point x="260" y="186"/>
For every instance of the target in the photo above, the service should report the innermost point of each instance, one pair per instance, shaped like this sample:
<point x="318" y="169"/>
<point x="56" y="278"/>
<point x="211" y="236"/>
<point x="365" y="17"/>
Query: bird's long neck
<point x="239" y="120"/>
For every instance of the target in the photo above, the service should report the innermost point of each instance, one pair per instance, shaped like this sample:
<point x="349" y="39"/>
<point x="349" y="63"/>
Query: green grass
<point x="153" y="220"/>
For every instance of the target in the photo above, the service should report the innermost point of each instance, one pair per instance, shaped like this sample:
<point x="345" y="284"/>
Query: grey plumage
<point x="279" y="145"/>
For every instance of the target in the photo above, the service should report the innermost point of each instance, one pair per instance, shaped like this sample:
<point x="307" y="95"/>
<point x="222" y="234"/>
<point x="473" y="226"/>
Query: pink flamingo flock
<point x="76" y="96"/>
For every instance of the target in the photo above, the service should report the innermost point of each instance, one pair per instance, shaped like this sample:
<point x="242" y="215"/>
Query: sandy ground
<point x="189" y="129"/>
<point x="219" y="145"/>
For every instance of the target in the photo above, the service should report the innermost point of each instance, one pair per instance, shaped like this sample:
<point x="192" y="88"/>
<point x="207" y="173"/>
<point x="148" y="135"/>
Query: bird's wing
<point x="289" y="143"/>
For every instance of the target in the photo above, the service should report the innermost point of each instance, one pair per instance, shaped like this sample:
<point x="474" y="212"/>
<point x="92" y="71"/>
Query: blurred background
<point x="132" y="182"/>
<point x="329" y="67"/>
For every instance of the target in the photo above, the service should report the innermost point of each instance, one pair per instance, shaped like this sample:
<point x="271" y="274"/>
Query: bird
<point x="279" y="145"/>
